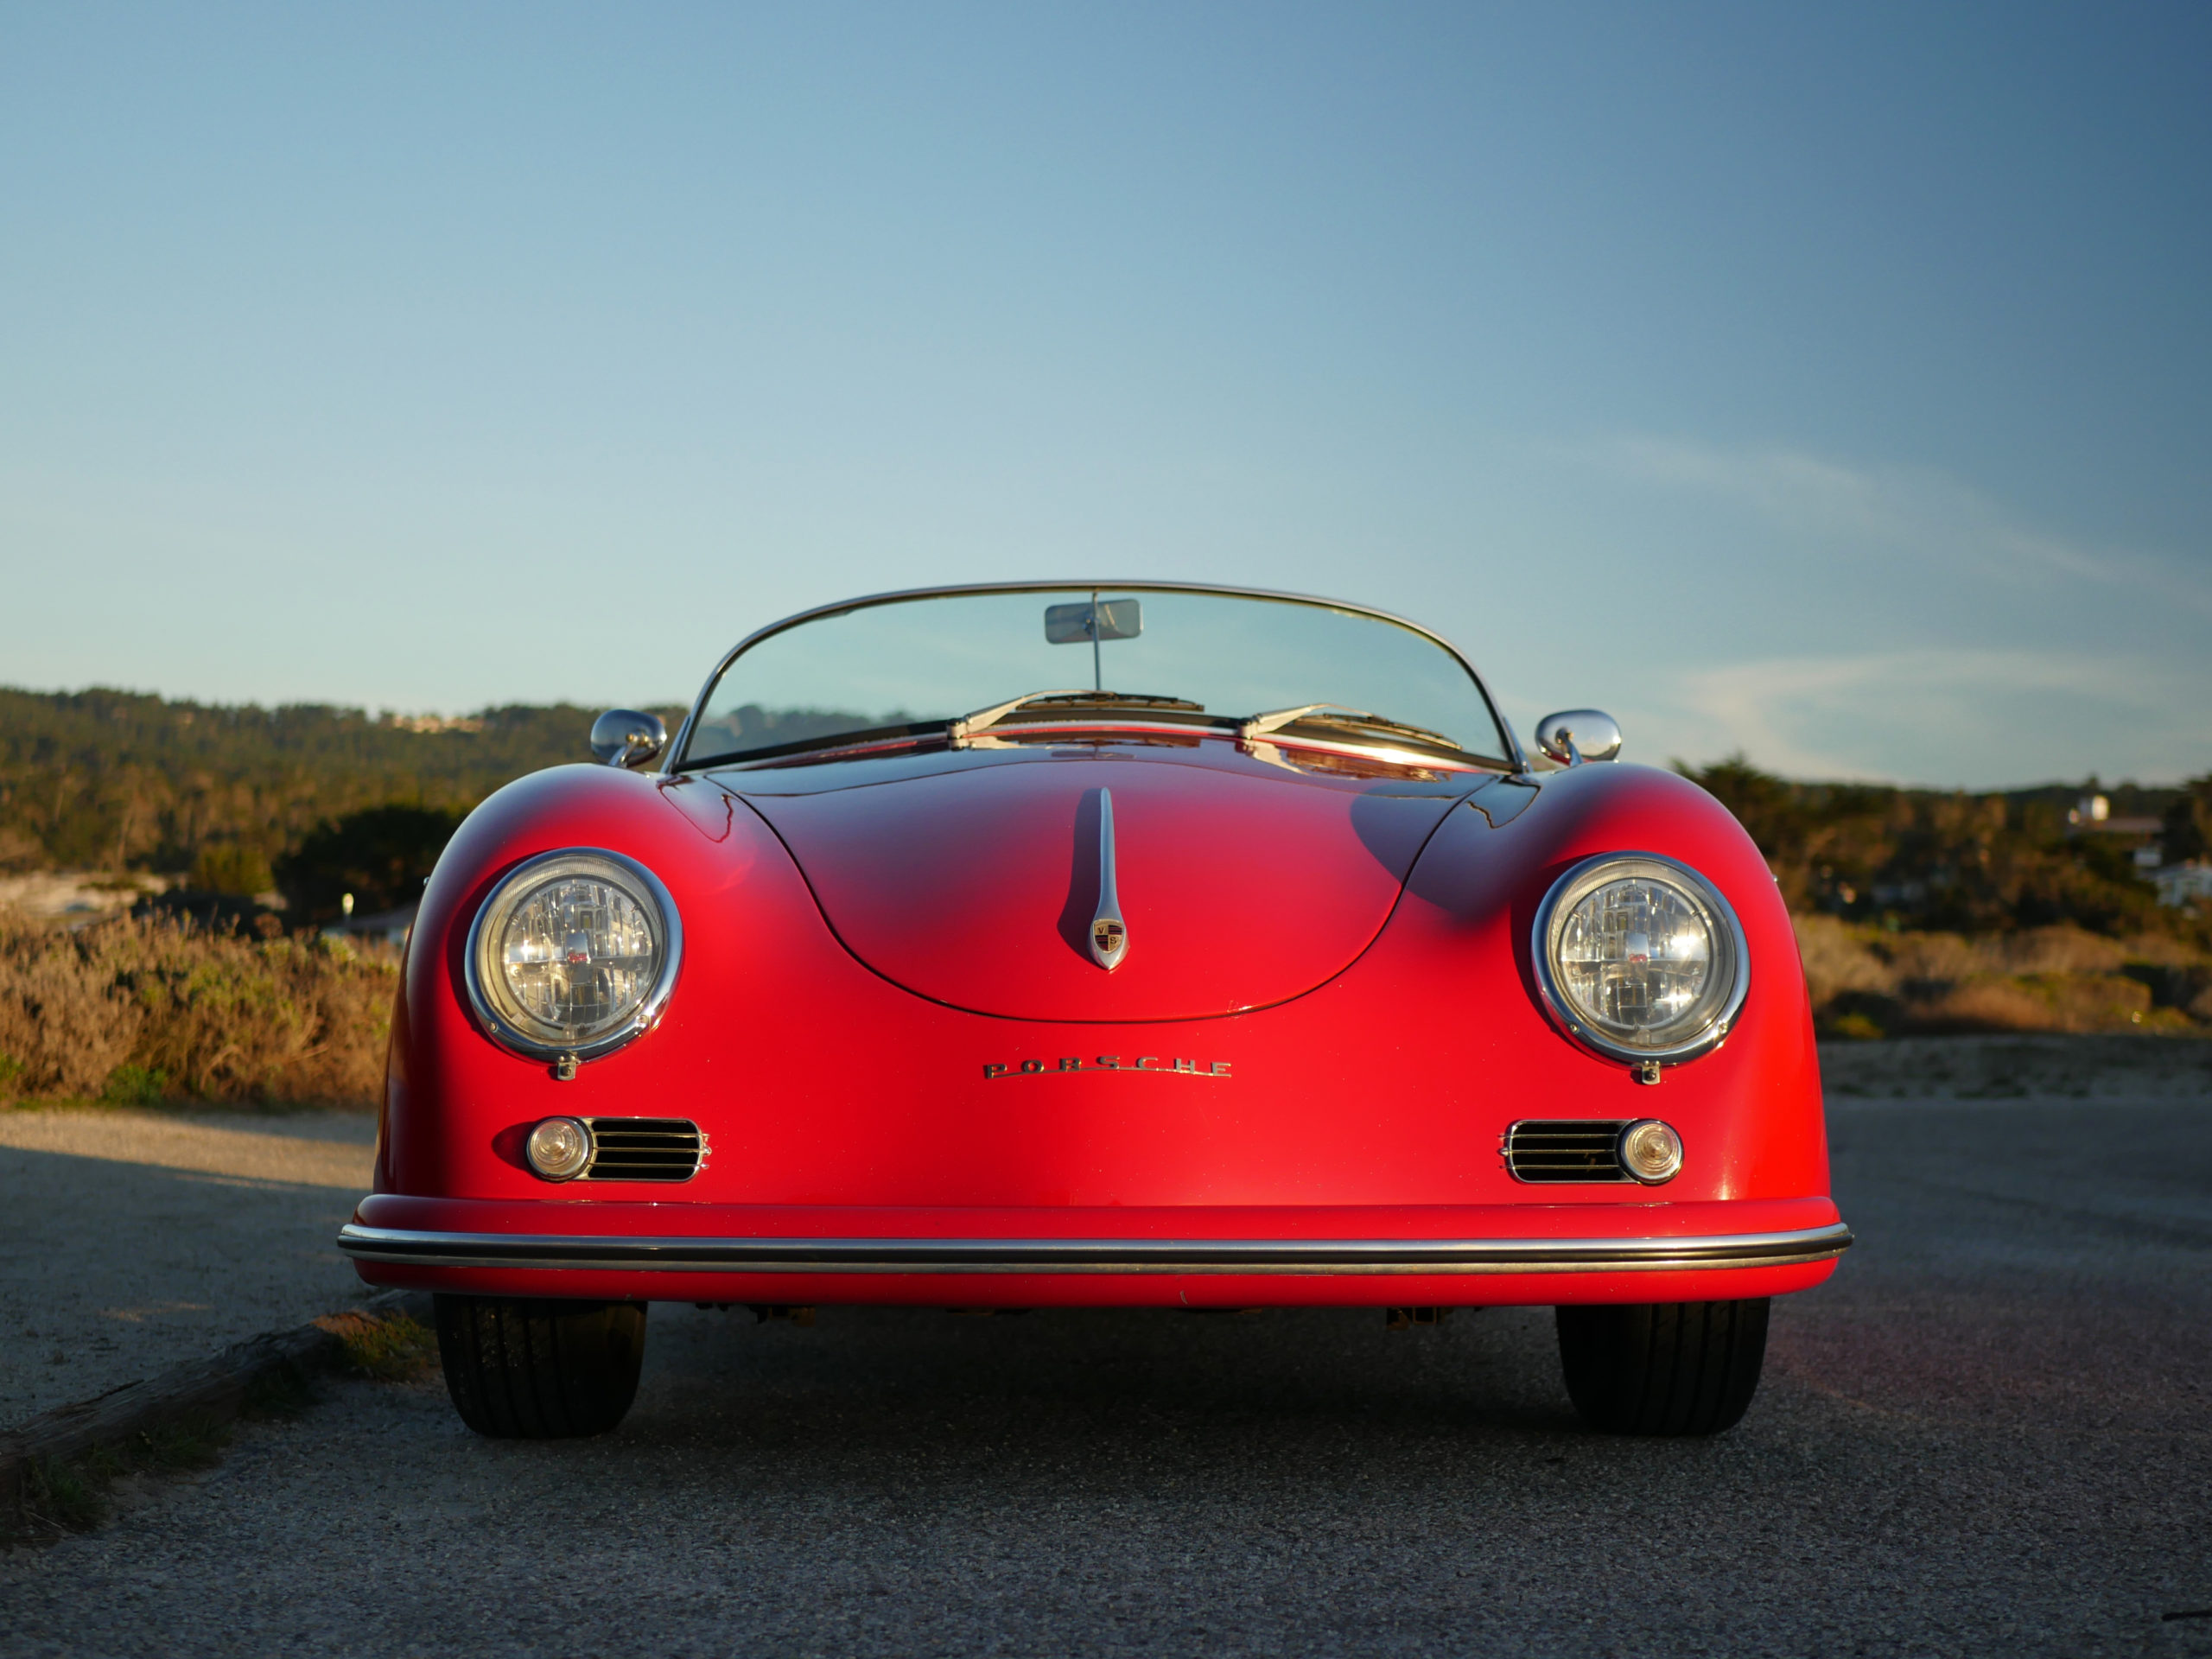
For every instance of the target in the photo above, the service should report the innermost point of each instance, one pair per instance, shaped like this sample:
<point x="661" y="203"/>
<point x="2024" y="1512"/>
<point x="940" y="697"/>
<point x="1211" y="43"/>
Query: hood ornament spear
<point x="1109" y="934"/>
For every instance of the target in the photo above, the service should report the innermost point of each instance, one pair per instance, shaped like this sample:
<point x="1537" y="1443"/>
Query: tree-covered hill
<point x="109" y="779"/>
<point x="106" y="779"/>
<point x="1969" y="864"/>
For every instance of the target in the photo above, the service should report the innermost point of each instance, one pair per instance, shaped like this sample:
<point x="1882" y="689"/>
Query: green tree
<point x="2189" y="824"/>
<point x="380" y="855"/>
<point x="227" y="867"/>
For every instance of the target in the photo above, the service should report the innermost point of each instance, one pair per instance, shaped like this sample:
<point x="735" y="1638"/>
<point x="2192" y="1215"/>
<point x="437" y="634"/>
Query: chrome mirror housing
<point x="625" y="737"/>
<point x="1574" y="735"/>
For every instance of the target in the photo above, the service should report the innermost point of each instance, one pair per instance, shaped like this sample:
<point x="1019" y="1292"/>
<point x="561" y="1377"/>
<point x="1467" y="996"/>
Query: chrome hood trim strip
<point x="1109" y="934"/>
<point x="1094" y="1255"/>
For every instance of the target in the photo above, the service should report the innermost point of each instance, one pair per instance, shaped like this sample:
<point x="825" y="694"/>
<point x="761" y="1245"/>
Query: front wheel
<point x="522" y="1368"/>
<point x="1663" y="1367"/>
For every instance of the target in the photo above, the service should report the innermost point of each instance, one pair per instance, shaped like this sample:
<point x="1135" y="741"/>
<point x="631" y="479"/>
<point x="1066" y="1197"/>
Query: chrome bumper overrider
<point x="1125" y="1255"/>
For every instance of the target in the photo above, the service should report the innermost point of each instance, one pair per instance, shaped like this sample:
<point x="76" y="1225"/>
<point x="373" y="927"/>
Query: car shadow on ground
<point x="875" y="1376"/>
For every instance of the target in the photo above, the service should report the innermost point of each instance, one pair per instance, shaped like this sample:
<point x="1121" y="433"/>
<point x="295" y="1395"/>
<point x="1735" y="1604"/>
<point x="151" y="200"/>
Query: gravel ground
<point x="2014" y="1067"/>
<point x="1992" y="1431"/>
<point x="130" y="1240"/>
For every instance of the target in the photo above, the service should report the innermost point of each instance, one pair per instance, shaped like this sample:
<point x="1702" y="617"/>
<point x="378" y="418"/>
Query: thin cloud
<point x="1827" y="716"/>
<point x="1922" y="513"/>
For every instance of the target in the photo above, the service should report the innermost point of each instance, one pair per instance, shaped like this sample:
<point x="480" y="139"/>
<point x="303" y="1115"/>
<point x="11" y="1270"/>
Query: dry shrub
<point x="1931" y="957"/>
<point x="1867" y="982"/>
<point x="1838" y="960"/>
<point x="1985" y="1004"/>
<point x="143" y="1006"/>
<point x="2162" y="951"/>
<point x="65" y="1023"/>
<point x="2074" y="1002"/>
<point x="2063" y="949"/>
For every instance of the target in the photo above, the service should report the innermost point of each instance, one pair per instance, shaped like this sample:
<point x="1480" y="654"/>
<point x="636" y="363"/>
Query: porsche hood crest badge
<point x="1109" y="934"/>
<point x="1109" y="938"/>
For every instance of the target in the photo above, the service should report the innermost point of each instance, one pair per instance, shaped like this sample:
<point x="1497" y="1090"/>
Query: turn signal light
<point x="559" y="1148"/>
<point x="1650" y="1152"/>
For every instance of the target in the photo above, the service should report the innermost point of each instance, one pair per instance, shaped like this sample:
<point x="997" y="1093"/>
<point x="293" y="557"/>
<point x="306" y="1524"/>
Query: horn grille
<point x="645" y="1149"/>
<point x="1565" y="1149"/>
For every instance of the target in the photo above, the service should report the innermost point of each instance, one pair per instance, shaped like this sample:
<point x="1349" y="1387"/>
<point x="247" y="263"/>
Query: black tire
<point x="1663" y="1367"/>
<point x="526" y="1370"/>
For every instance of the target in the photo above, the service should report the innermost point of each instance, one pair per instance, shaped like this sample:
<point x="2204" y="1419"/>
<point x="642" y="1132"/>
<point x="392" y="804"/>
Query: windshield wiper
<point x="1260" y="725"/>
<point x="959" y="730"/>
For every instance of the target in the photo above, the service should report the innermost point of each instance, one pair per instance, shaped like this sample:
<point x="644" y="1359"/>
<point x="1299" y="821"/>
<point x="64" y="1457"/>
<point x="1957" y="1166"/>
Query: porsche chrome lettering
<point x="1151" y="1063"/>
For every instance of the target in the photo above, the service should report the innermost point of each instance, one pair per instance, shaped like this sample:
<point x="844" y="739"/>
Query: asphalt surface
<point x="1990" y="1432"/>
<point x="130" y="1241"/>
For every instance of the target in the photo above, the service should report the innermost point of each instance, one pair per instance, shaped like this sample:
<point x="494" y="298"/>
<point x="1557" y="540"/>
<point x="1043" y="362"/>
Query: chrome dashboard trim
<point x="401" y="1247"/>
<point x="1030" y="733"/>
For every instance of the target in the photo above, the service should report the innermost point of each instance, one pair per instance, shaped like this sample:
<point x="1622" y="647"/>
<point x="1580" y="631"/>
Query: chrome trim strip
<point x="1110" y="933"/>
<point x="676" y="754"/>
<point x="1094" y="1255"/>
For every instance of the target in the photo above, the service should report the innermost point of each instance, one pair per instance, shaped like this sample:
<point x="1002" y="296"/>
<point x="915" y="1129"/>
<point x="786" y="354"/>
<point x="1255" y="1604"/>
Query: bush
<point x="228" y="868"/>
<point x="134" y="1085"/>
<point x="1867" y="982"/>
<point x="132" y="1010"/>
<point x="380" y="856"/>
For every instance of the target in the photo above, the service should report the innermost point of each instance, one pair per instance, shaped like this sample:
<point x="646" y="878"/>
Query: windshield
<point x="909" y="666"/>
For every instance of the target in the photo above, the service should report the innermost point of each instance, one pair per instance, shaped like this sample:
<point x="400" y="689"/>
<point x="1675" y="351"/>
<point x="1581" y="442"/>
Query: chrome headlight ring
<point x="634" y="991"/>
<point x="1567" y="921"/>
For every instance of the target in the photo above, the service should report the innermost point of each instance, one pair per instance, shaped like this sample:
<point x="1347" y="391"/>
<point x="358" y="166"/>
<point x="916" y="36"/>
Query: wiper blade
<point x="812" y="748"/>
<point x="1274" y="720"/>
<point x="959" y="730"/>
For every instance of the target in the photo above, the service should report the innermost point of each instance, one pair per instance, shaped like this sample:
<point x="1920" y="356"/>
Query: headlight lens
<point x="574" y="953"/>
<point x="1640" y="957"/>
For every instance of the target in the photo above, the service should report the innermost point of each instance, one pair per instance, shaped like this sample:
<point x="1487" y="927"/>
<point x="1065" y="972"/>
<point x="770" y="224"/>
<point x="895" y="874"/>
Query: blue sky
<point x="1834" y="383"/>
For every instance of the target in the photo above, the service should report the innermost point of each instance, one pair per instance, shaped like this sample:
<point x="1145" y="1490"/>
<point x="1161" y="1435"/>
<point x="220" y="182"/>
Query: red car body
<point x="1295" y="1092"/>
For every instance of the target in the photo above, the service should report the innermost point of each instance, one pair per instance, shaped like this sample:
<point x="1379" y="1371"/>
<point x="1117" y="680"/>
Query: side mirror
<point x="624" y="737"/>
<point x="1575" y="735"/>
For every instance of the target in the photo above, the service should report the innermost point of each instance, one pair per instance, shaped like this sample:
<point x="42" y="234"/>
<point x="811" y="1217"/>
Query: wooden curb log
<point x="213" y="1389"/>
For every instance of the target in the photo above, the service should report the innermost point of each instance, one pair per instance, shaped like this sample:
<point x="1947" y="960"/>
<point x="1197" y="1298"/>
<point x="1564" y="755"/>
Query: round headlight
<point x="574" y="953"/>
<point x="1640" y="957"/>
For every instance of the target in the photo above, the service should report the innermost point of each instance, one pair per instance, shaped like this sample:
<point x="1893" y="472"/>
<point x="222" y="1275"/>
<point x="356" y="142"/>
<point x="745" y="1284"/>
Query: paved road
<point x="1991" y="1432"/>
<point x="130" y="1240"/>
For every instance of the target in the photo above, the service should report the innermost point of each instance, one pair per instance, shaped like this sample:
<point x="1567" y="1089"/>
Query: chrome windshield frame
<point x="678" y="754"/>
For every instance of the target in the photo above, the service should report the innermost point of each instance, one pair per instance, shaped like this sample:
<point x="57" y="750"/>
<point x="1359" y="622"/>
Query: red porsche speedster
<point x="1266" y="969"/>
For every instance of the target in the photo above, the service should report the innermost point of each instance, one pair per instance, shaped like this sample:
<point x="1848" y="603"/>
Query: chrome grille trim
<point x="644" y="1149"/>
<point x="1549" y="1149"/>
<point x="1093" y="1256"/>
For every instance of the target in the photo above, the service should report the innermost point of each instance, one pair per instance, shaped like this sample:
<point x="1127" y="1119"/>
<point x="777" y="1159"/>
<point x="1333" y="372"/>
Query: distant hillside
<point x="103" y="779"/>
<point x="107" y="780"/>
<point x="1969" y="864"/>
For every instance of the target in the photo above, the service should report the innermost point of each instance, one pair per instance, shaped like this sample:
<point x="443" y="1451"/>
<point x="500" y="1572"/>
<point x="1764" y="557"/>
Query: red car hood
<point x="972" y="881"/>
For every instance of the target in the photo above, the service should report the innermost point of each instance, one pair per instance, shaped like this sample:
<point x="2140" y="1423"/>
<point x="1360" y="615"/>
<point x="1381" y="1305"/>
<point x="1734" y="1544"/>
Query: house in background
<point x="2187" y="883"/>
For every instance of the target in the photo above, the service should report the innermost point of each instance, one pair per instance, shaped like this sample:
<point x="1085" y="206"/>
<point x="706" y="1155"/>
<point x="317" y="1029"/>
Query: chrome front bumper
<point x="1095" y="1255"/>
